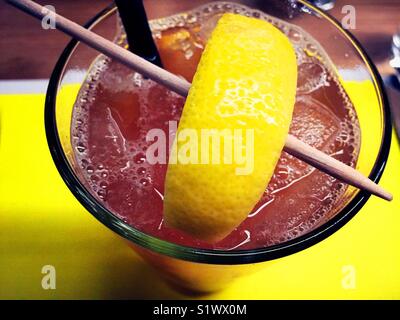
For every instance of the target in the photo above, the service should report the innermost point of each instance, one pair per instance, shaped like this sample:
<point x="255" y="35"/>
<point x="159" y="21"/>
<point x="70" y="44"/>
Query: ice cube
<point x="311" y="77"/>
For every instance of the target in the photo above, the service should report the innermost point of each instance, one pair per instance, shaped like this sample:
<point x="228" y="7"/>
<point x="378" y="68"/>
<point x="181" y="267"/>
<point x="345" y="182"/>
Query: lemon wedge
<point x="242" y="95"/>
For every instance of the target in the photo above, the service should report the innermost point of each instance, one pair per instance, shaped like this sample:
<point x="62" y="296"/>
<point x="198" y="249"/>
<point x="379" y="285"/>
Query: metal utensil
<point x="392" y="83"/>
<point x="323" y="4"/>
<point x="395" y="62"/>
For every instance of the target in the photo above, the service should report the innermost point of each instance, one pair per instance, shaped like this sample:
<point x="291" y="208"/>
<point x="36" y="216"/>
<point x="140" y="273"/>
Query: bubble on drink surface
<point x="90" y="169"/>
<point x="104" y="174"/>
<point x="80" y="147"/>
<point x="294" y="35"/>
<point x="84" y="163"/>
<point x="94" y="178"/>
<point x="144" y="181"/>
<point x="103" y="185"/>
<point x="139" y="158"/>
<point x="102" y="194"/>
<point x="191" y="18"/>
<point x="311" y="49"/>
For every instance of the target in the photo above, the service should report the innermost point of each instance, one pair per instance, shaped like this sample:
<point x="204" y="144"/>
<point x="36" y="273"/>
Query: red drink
<point x="117" y="108"/>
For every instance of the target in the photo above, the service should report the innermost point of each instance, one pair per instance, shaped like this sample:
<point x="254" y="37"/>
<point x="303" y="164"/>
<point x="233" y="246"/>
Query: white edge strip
<point x="23" y="86"/>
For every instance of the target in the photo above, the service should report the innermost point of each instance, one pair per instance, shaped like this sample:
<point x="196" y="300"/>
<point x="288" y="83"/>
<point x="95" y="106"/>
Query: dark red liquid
<point x="118" y="108"/>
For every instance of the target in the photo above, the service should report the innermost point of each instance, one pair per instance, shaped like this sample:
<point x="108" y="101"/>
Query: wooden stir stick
<point x="293" y="145"/>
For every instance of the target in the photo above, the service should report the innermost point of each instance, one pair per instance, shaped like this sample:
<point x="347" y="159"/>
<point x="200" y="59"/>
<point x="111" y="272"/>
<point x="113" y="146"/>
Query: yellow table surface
<point x="43" y="224"/>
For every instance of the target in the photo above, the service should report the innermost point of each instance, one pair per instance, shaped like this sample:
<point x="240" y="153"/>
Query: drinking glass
<point x="204" y="270"/>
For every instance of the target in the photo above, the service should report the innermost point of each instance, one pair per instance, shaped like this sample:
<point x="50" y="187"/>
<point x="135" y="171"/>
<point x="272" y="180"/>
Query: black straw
<point x="138" y="33"/>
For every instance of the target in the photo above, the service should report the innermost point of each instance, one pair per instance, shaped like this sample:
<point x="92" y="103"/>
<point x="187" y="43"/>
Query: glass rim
<point x="210" y="256"/>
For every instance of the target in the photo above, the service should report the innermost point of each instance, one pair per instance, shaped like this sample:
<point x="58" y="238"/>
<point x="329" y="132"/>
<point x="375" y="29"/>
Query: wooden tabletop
<point x="29" y="52"/>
